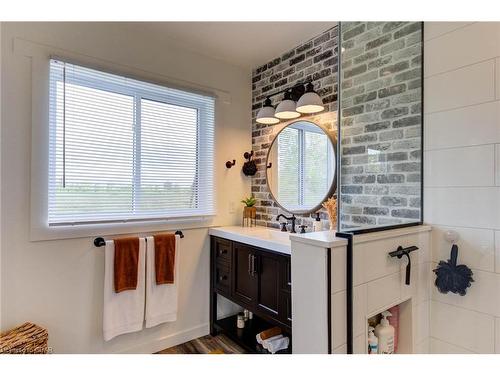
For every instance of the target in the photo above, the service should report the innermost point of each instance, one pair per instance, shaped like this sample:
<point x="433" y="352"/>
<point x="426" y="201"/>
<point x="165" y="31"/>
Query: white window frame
<point x="39" y="228"/>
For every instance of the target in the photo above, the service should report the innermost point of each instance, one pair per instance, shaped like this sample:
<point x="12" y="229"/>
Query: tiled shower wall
<point x="315" y="59"/>
<point x="462" y="178"/>
<point x="380" y="123"/>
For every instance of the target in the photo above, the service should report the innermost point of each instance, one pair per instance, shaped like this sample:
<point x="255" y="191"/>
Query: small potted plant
<point x="249" y="211"/>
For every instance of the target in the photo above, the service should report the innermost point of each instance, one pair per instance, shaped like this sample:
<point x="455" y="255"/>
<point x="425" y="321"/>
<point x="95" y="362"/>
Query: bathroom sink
<point x="266" y="238"/>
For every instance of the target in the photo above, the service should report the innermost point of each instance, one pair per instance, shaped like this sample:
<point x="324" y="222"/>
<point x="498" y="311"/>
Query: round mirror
<point x="301" y="167"/>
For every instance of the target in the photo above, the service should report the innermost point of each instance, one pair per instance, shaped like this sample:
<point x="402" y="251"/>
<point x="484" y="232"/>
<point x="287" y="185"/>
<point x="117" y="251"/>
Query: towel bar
<point x="99" y="241"/>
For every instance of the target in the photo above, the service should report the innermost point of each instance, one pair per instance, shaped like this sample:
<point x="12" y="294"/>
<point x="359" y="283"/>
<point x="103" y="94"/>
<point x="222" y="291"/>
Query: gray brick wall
<point x="380" y="123"/>
<point x="316" y="59"/>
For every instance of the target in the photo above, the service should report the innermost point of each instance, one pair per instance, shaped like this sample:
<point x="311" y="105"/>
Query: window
<point x="125" y="150"/>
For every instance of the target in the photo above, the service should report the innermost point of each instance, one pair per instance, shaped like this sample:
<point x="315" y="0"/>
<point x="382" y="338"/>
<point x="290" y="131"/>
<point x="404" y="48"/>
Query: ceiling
<point x="244" y="44"/>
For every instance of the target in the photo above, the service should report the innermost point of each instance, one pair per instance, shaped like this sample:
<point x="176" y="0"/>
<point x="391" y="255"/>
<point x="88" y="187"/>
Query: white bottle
<point x="372" y="341"/>
<point x="385" y="334"/>
<point x="317" y="224"/>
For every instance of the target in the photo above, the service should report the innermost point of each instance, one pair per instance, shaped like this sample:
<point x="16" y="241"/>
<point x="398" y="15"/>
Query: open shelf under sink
<point x="245" y="337"/>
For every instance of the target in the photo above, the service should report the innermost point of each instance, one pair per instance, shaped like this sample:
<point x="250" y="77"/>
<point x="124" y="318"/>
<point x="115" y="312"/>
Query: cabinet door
<point x="244" y="284"/>
<point x="267" y="269"/>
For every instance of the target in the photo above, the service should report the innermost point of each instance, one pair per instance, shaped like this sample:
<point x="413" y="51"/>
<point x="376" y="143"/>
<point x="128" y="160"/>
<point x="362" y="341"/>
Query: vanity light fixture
<point x="266" y="114"/>
<point x="286" y="109"/>
<point x="310" y="102"/>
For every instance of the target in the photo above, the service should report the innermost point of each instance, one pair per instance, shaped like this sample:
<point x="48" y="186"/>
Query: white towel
<point x="124" y="311"/>
<point x="265" y="343"/>
<point x="261" y="342"/>
<point x="161" y="300"/>
<point x="278" y="344"/>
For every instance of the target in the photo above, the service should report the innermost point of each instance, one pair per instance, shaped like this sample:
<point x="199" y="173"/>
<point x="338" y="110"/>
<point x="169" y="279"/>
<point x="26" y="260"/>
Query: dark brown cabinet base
<point x="258" y="280"/>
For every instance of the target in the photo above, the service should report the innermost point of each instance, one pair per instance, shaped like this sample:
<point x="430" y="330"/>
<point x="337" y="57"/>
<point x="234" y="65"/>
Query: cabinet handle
<point x="222" y="252"/>
<point x="222" y="278"/>
<point x="253" y="266"/>
<point x="250" y="264"/>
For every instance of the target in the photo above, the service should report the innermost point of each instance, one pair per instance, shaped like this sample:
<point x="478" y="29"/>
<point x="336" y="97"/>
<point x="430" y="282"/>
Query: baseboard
<point x="169" y="341"/>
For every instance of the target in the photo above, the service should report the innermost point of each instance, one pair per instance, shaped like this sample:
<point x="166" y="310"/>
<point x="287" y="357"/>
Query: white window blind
<point x="123" y="150"/>
<point x="304" y="166"/>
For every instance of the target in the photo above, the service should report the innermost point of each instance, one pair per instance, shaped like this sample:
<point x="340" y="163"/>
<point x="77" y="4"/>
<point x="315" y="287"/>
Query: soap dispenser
<point x="317" y="225"/>
<point x="372" y="341"/>
<point x="385" y="334"/>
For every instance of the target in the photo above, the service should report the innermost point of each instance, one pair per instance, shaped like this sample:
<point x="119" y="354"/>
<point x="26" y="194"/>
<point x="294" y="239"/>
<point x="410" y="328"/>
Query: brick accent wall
<point x="380" y="123"/>
<point x="316" y="59"/>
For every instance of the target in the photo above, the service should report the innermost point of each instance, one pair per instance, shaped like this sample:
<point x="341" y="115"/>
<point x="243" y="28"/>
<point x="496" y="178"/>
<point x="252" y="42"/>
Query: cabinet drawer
<point x="223" y="251"/>
<point x="222" y="278"/>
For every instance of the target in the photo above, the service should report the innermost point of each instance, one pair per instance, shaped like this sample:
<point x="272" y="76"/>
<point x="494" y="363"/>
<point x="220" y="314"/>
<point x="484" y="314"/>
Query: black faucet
<point x="292" y="219"/>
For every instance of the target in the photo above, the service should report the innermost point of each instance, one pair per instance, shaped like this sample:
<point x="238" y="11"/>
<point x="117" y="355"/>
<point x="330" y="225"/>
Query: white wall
<point x="462" y="177"/>
<point x="58" y="284"/>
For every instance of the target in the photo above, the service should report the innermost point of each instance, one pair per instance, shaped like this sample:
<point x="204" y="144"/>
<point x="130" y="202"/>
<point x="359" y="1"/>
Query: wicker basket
<point x="25" y="339"/>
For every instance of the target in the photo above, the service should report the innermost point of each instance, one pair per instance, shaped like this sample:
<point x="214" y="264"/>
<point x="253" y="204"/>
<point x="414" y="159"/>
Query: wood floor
<point x="219" y="344"/>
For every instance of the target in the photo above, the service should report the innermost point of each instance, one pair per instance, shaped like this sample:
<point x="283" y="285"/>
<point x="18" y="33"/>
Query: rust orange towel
<point x="275" y="331"/>
<point x="126" y="263"/>
<point x="164" y="258"/>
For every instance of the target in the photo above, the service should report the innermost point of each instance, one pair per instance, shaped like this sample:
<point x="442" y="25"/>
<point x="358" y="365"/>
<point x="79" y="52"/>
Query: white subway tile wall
<point x="497" y="75"/>
<point x="484" y="116"/>
<point x="497" y="251"/>
<point x="465" y="328"/>
<point x="457" y="166"/>
<point x="476" y="246"/>
<point x="462" y="187"/>
<point x="472" y="84"/>
<point x="442" y="347"/>
<point x="435" y="29"/>
<point x="497" y="164"/>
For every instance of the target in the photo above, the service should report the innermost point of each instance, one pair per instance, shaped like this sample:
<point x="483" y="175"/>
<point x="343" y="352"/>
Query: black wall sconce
<point x="270" y="165"/>
<point x="249" y="167"/>
<point x="230" y="164"/>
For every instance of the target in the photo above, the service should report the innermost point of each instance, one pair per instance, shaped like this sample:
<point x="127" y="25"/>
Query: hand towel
<point x="164" y="258"/>
<point x="123" y="312"/>
<point x="264" y="335"/>
<point x="265" y="343"/>
<point x="278" y="344"/>
<point x="161" y="299"/>
<point x="126" y="263"/>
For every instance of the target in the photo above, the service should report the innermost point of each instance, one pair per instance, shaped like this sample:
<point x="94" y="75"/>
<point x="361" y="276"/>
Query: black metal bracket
<point x="399" y="252"/>
<point x="349" y="279"/>
<point x="248" y="155"/>
<point x="295" y="91"/>
<point x="230" y="164"/>
<point x="100" y="242"/>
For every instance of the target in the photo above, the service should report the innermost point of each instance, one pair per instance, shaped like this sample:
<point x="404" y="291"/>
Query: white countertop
<point x="324" y="239"/>
<point x="275" y="240"/>
<point x="266" y="238"/>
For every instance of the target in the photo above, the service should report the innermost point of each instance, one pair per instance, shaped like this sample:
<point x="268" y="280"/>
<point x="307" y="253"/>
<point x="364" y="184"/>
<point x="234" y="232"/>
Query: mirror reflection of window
<point x="305" y="165"/>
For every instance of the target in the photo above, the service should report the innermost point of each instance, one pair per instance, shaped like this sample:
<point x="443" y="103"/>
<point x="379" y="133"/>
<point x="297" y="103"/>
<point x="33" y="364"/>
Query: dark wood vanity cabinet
<point x="254" y="278"/>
